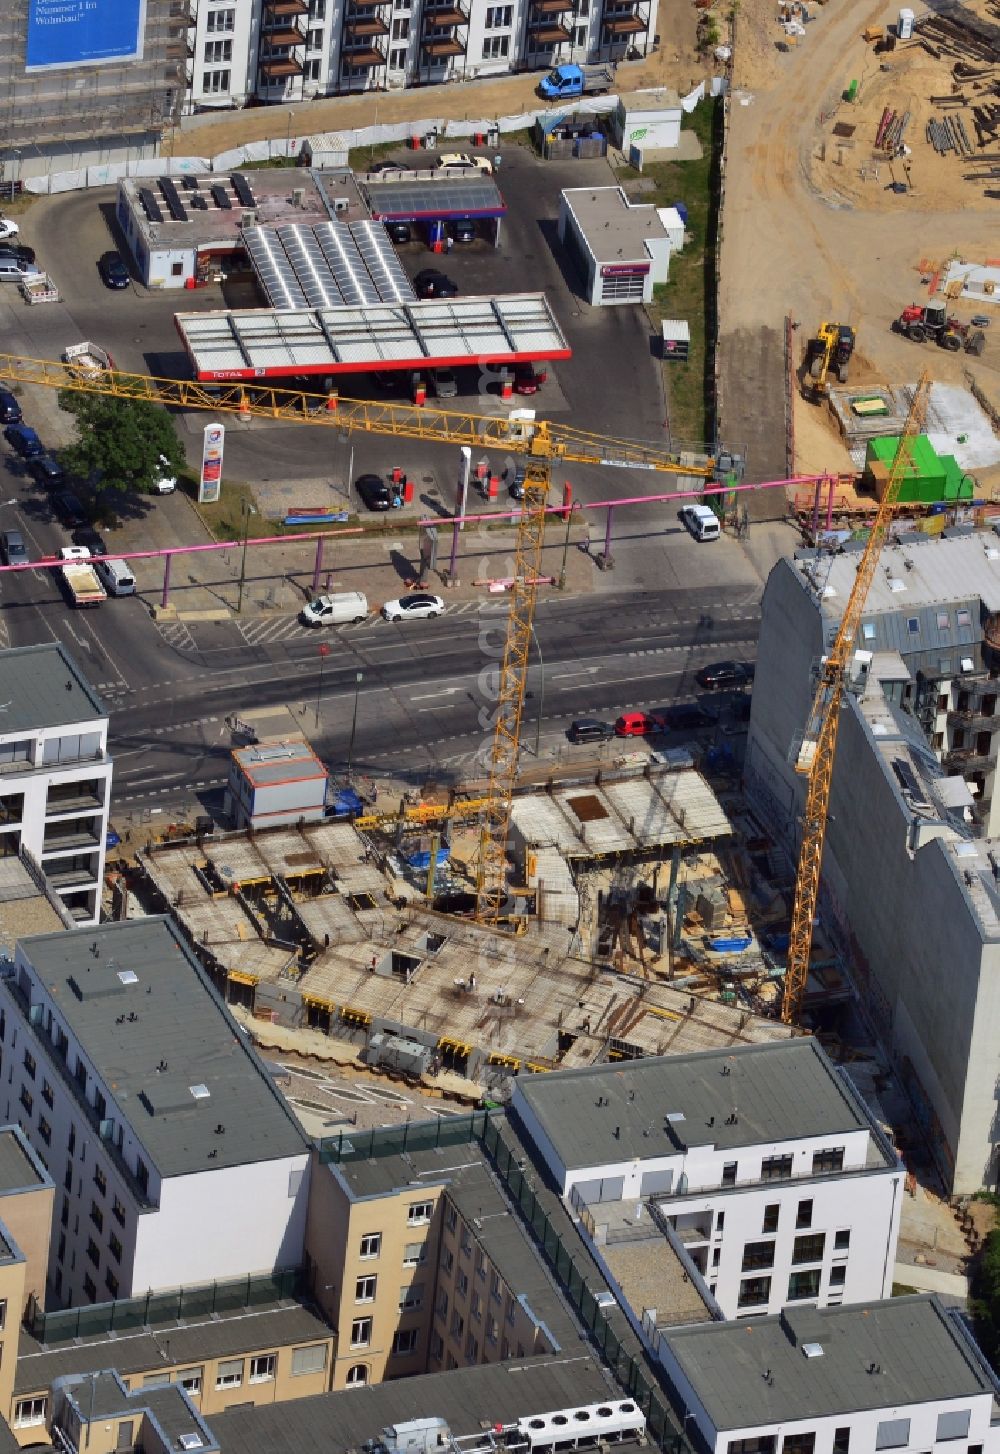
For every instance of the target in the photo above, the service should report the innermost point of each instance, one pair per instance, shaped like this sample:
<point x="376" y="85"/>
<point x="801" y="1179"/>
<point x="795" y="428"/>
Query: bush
<point x="984" y="1304"/>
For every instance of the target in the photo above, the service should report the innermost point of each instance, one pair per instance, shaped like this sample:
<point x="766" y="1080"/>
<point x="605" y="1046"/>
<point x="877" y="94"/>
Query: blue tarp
<point x="346" y="803"/>
<point x="422" y="861"/>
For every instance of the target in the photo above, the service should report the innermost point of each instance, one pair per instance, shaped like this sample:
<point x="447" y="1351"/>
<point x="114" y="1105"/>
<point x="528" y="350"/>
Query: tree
<point x="119" y="441"/>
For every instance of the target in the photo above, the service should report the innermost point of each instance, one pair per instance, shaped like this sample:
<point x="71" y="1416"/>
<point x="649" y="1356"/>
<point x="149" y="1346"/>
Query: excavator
<point x="829" y="351"/>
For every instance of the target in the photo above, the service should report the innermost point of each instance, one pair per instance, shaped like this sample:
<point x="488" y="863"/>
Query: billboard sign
<point x="83" y="32"/>
<point x="210" y="484"/>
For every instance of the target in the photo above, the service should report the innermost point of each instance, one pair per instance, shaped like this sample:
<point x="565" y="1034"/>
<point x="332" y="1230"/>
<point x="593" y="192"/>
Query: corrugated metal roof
<point x="953" y="572"/>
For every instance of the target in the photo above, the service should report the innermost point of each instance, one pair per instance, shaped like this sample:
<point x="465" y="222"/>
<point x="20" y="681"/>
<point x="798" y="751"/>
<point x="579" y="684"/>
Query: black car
<point x="464" y="230"/>
<point x="516" y="487"/>
<point x="589" y="729"/>
<point x="88" y="536"/>
<point x="386" y="166"/>
<point x="683" y="717"/>
<point x="374" y="492"/>
<point x="46" y="470"/>
<point x="430" y="283"/>
<point x="399" y="231"/>
<point x="17" y="250"/>
<point x="114" y="273"/>
<point x="10" y="409"/>
<point x="23" y="440"/>
<point x="69" y="511"/>
<point x="723" y="674"/>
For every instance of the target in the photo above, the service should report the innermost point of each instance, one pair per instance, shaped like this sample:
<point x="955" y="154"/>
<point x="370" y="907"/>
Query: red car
<point x="638" y="724"/>
<point x="527" y="380"/>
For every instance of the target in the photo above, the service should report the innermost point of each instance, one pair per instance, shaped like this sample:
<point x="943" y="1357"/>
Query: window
<point x="404" y="1342"/>
<point x="580" y="36"/>
<point x="189" y="1379"/>
<point x="476" y="1306"/>
<point x="964" y="618"/>
<point x="457" y="1325"/>
<point x="462" y="1284"/>
<point x="841" y="1441"/>
<point x="842" y="1241"/>
<point x="111" y="1283"/>
<point x="830" y="1159"/>
<point x="892" y="1434"/>
<point x="499" y="17"/>
<point x="309" y="1360"/>
<point x="412" y="1296"/>
<point x="801" y="1443"/>
<point x="3" y="1313"/>
<point x="771" y="1214"/>
<point x="418" y="1213"/>
<point x="414" y="1253"/>
<point x="441" y="1306"/>
<point x="437" y="1345"/>
<point x="142" y="1174"/>
<point x="229" y="1373"/>
<point x="954" y="1424"/>
<point x="400" y="31"/>
<point x="262" y="1367"/>
<point x="357" y="1375"/>
<point x="757" y="1255"/>
<point x="317" y="11"/>
<point x="447" y="1259"/>
<point x="29" y="1063"/>
<point x="361" y="1333"/>
<point x="26" y="1099"/>
<point x="313" y="71"/>
<point x="868" y="631"/>
<point x="118" y="1212"/>
<point x="913" y="625"/>
<point x="218" y="50"/>
<point x="45" y="1130"/>
<point x="115" y="1247"/>
<point x="495" y="1285"/>
<point x="397" y="59"/>
<point x="93" y="1252"/>
<point x="100" y="1181"/>
<point x="30" y="1411"/>
<point x="754" y="1291"/>
<point x="471" y="1349"/>
<point x="71" y="1143"/>
<point x="314" y="41"/>
<point x="90" y="1288"/>
<point x="809" y="1249"/>
<point x="804" y="1215"/>
<point x="511" y="1313"/>
<point x="97" y="1216"/>
<point x="775" y="1168"/>
<point x="371" y="1244"/>
<point x="764" y="1444"/>
<point x="838" y="1275"/>
<point x="803" y="1285"/>
<point x="496" y="47"/>
<point x="220" y="20"/>
<point x="364" y="1289"/>
<point x="729" y="1173"/>
<point x="215" y="83"/>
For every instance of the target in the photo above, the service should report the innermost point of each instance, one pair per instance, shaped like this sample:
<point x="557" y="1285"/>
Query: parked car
<point x="445" y="383"/>
<point x="702" y="522"/>
<point x="723" y="674"/>
<point x="387" y="166"/>
<point x="15" y="270"/>
<point x="589" y="729"/>
<point x="46" y="470"/>
<point x="13" y="548"/>
<point x="23" y="440"/>
<point x="411" y="608"/>
<point x="464" y="230"/>
<point x="8" y="227"/>
<point x="335" y="610"/>
<point x="638" y="724"/>
<point x="373" y="492"/>
<point x="164" y="480"/>
<point x="430" y="283"/>
<point x="17" y="251"/>
<point x="89" y="538"/>
<point x="684" y="717"/>
<point x="10" y="409"/>
<point x="74" y="552"/>
<point x="114" y="273"/>
<point x="516" y="487"/>
<point x="399" y="232"/>
<point x="528" y="379"/>
<point x="461" y="161"/>
<point x="68" y="510"/>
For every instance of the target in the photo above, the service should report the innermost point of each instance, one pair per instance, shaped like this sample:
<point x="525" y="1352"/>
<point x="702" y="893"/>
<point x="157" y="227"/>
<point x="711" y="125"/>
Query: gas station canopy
<point x="262" y="343"/>
<point x="419" y="199"/>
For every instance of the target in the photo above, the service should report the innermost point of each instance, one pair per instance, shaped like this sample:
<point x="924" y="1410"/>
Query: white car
<point x="8" y="228"/>
<point x="409" y="608"/>
<point x="75" y="552"/>
<point x="164" y="483"/>
<point x="461" y="161"/>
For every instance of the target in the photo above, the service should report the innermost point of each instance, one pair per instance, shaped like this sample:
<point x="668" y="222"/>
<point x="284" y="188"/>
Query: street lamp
<point x="246" y="510"/>
<point x="324" y="652"/>
<point x="358" y="678"/>
<point x="541" y="692"/>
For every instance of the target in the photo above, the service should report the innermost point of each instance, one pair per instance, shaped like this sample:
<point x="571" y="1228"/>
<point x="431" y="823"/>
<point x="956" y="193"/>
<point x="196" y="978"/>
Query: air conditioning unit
<point x="249" y="218"/>
<point x="298" y="196"/>
<point x="341" y="204"/>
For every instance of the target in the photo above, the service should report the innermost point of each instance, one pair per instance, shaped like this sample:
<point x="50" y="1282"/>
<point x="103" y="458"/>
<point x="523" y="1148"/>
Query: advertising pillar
<point x="210" y="483"/>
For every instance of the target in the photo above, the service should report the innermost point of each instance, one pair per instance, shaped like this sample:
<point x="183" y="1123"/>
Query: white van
<point x="702" y="522"/>
<point x="335" y="610"/>
<point x="115" y="576"/>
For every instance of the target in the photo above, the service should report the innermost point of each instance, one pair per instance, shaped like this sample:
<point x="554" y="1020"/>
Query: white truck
<point x="82" y="585"/>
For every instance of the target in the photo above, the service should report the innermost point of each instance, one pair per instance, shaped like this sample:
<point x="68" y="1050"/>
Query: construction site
<point x="650" y="917"/>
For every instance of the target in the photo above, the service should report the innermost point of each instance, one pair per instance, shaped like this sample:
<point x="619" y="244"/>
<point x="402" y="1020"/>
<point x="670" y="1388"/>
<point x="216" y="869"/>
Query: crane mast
<point x="819" y="744"/>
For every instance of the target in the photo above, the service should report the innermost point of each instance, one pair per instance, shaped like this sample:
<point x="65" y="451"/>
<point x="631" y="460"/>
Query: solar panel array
<point x="172" y="198"/>
<point x="243" y="190"/>
<point x="222" y="199"/>
<point x="461" y="195"/>
<point x="327" y="266"/>
<point x="150" y="205"/>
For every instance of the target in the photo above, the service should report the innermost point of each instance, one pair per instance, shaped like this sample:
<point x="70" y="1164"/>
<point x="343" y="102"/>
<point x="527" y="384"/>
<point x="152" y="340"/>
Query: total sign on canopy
<point x="83" y="32"/>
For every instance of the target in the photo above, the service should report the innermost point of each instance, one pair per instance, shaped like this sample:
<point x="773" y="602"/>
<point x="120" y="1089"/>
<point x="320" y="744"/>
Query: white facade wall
<point x="224" y="1224"/>
<point x="56" y="758"/>
<point x="221" y="71"/>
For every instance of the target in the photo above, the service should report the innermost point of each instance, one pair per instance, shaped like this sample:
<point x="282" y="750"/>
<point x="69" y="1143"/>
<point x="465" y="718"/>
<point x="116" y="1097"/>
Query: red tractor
<point x="920" y="323"/>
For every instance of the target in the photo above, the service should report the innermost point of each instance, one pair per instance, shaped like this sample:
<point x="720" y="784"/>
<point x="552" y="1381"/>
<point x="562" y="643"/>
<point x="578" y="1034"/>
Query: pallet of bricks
<point x="969" y="120"/>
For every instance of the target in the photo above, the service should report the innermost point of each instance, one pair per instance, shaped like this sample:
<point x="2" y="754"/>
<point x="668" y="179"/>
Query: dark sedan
<point x="430" y="283"/>
<point x="374" y="492"/>
<point x="719" y="674"/>
<point x="114" y="273"/>
<point x="46" y="470"/>
<point x="10" y="409"/>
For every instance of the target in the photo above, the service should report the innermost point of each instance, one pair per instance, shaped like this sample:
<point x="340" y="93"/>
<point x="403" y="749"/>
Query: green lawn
<point x="689" y="293"/>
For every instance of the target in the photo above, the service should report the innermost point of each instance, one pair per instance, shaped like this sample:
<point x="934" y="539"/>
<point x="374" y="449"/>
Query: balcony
<point x="546" y="31"/>
<point x="445" y="46"/>
<point x="81" y="798"/>
<point x="285" y="9"/>
<point x="283" y="36"/>
<point x="441" y="17"/>
<point x="363" y="25"/>
<point x="968" y="759"/>
<point x="365" y="58"/>
<point x="277" y="68"/>
<point x="623" y="22"/>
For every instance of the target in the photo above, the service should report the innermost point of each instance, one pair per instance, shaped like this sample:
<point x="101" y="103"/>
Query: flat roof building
<point x="55" y="774"/>
<point x="622" y="248"/>
<point x="276" y="783"/>
<point x="130" y="1055"/>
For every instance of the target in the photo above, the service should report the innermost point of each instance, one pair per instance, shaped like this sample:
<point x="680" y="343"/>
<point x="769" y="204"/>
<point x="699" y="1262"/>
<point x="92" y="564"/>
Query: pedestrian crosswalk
<point x="177" y="635"/>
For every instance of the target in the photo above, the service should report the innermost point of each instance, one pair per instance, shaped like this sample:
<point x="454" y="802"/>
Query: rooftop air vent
<point x="200" y="1092"/>
<point x="128" y="976"/>
<point x="190" y="1441"/>
<point x="675" y="1115"/>
<point x="813" y="1350"/>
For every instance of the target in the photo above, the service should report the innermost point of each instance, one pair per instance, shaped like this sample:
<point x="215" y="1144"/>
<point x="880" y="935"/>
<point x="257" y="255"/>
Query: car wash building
<point x="429" y="203"/>
<point x="621" y="248"/>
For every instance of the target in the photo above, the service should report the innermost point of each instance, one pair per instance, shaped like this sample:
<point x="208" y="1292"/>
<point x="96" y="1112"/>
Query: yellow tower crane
<point x="819" y="743"/>
<point x="541" y="440"/>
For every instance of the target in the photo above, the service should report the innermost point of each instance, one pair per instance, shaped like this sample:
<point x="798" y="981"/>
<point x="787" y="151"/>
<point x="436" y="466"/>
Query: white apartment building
<point x="761" y="1165"/>
<point x="902" y="1375"/>
<point x="294" y="50"/>
<point x="176" y="1161"/>
<point x="55" y="773"/>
